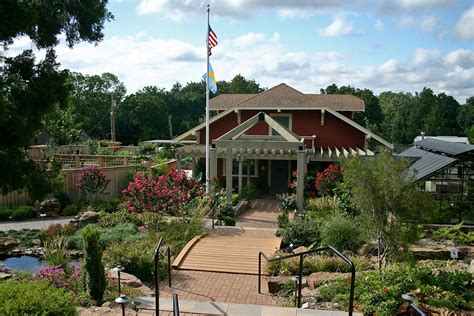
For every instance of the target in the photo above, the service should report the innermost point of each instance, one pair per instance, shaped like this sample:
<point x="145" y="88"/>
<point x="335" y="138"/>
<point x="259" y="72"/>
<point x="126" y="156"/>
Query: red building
<point x="262" y="138"/>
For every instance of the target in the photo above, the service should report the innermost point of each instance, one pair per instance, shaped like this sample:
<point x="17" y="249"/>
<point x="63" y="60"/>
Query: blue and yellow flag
<point x="212" y="80"/>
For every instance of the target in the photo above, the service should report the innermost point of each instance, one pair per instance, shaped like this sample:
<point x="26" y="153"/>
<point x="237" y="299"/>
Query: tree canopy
<point x="29" y="90"/>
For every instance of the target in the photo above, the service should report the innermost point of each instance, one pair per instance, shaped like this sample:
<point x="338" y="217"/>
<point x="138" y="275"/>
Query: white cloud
<point x="241" y="8"/>
<point x="465" y="25"/>
<point x="338" y="27"/>
<point x="462" y="58"/>
<point x="379" y="25"/>
<point x="143" y="60"/>
<point x="428" y="23"/>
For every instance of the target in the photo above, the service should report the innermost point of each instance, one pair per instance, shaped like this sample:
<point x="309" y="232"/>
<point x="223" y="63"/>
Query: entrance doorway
<point x="279" y="173"/>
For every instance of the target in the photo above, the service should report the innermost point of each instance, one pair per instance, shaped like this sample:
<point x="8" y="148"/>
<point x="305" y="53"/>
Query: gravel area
<point x="35" y="224"/>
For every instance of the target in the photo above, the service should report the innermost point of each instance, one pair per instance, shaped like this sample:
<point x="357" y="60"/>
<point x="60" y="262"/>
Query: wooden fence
<point x="117" y="169"/>
<point x="118" y="176"/>
<point x="79" y="161"/>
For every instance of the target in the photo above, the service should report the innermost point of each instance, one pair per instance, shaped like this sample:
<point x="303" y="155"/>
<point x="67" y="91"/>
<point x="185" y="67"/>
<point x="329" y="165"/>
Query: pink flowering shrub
<point x="327" y="180"/>
<point x="57" y="276"/>
<point x="162" y="194"/>
<point x="92" y="181"/>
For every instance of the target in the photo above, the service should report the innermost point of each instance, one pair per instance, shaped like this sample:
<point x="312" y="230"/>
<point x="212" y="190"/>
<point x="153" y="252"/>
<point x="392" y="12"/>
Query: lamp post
<point x="119" y="269"/>
<point x="122" y="300"/>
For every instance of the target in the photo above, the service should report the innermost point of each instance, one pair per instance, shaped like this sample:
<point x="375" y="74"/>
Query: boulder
<point x="130" y="280"/>
<point x="4" y="269"/>
<point x="8" y="243"/>
<point x="4" y="276"/>
<point x="275" y="283"/>
<point x="50" y="207"/>
<point x="125" y="278"/>
<point x="316" y="278"/>
<point x="88" y="217"/>
<point x="364" y="250"/>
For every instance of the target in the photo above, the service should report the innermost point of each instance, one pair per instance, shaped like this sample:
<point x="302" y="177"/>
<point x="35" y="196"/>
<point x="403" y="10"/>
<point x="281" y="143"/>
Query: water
<point x="24" y="263"/>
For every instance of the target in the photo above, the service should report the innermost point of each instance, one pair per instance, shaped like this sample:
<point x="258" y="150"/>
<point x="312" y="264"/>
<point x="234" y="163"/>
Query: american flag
<point x="212" y="40"/>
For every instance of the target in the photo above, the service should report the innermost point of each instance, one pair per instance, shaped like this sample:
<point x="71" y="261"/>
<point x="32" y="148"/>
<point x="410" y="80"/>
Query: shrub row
<point x="17" y="214"/>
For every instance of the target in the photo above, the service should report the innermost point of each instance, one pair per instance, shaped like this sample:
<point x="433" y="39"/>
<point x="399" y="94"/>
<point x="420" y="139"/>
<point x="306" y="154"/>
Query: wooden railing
<point x="79" y="161"/>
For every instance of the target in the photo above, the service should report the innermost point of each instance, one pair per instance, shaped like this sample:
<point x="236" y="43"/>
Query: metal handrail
<point x="175" y="305"/>
<point x="300" y="274"/>
<point x="418" y="310"/>
<point x="157" y="271"/>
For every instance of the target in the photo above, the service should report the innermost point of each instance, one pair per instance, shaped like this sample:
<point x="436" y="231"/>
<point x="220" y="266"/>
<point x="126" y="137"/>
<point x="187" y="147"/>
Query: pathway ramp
<point x="231" y="250"/>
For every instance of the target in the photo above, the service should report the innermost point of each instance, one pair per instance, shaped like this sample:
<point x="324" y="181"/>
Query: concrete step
<point x="216" y="308"/>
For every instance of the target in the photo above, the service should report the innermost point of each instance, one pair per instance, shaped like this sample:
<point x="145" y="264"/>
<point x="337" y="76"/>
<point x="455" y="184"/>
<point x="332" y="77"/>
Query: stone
<point x="364" y="250"/>
<point x="8" y="243"/>
<point x="129" y="280"/>
<point x="471" y="267"/>
<point x="50" y="207"/>
<point x="4" y="276"/>
<point x="4" y="268"/>
<point x="125" y="278"/>
<point x="300" y="249"/>
<point x="316" y="278"/>
<point x="275" y="283"/>
<point x="88" y="217"/>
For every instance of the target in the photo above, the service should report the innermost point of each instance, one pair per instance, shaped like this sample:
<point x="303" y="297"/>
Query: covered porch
<point x="270" y="152"/>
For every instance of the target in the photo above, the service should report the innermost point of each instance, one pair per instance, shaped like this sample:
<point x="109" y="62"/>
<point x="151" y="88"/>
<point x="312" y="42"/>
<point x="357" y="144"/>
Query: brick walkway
<point x="262" y="214"/>
<point x="218" y="287"/>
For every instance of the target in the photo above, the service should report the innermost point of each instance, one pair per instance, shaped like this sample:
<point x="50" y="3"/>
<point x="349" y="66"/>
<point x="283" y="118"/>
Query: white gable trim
<point x="360" y="128"/>
<point x="333" y="112"/>
<point x="202" y="125"/>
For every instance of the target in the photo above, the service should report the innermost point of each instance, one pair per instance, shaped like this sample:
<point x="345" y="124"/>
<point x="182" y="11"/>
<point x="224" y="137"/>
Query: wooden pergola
<point x="235" y="144"/>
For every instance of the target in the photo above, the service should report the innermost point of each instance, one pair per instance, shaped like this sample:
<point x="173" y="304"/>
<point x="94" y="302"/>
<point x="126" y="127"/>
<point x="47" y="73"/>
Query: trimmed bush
<point x="228" y="221"/>
<point x="71" y="210"/>
<point x="23" y="212"/>
<point x="342" y="233"/>
<point x="93" y="267"/>
<point x="34" y="298"/>
<point x="302" y="231"/>
<point x="249" y="192"/>
<point x="136" y="257"/>
<point x="5" y="213"/>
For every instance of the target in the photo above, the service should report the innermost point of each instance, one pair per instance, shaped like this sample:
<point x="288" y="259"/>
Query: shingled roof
<point x="283" y="96"/>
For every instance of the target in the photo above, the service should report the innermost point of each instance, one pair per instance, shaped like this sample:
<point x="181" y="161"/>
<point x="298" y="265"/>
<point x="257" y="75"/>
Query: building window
<point x="249" y="168"/>
<point x="282" y="119"/>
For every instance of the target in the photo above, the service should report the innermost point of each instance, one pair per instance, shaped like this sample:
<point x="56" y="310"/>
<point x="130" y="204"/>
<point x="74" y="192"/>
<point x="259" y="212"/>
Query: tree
<point x="372" y="116"/>
<point x="30" y="90"/>
<point x="239" y="84"/>
<point x="465" y="117"/>
<point x="90" y="102"/>
<point x="93" y="267"/>
<point x="386" y="195"/>
<point x="143" y="116"/>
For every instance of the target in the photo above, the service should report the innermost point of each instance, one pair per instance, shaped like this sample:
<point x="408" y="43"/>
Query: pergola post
<point x="240" y="175"/>
<point x="213" y="163"/>
<point x="228" y="174"/>
<point x="178" y="161"/>
<point x="300" y="172"/>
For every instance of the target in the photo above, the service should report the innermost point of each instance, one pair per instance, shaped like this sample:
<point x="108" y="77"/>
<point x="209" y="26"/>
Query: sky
<point x="392" y="45"/>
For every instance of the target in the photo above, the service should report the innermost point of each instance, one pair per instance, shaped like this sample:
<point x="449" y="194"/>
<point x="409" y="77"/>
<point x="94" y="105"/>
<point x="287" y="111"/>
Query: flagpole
<point x="207" y="103"/>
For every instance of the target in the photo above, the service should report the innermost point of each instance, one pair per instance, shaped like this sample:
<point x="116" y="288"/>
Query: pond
<point x="24" y="263"/>
<point x="28" y="263"/>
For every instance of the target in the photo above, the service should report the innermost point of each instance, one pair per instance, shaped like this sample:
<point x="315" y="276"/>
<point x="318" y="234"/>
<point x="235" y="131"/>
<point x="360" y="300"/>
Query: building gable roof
<point x="283" y="96"/>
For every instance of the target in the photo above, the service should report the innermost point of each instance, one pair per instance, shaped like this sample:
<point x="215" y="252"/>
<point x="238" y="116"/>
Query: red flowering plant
<point x="327" y="180"/>
<point x="164" y="194"/>
<point x="92" y="181"/>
